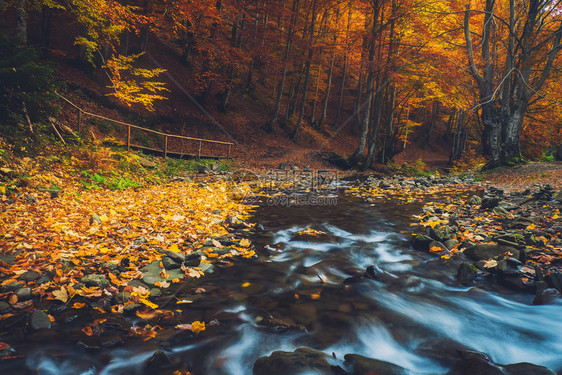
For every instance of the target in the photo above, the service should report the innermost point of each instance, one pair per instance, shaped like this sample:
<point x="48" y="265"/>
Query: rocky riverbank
<point x="512" y="238"/>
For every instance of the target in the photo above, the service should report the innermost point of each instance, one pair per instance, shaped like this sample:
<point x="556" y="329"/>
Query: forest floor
<point x="525" y="176"/>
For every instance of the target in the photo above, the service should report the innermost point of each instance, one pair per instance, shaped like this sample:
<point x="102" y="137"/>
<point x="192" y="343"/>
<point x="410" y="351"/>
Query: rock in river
<point x="40" y="320"/>
<point x="363" y="365"/>
<point x="302" y="360"/>
<point x="474" y="363"/>
<point x="487" y="251"/>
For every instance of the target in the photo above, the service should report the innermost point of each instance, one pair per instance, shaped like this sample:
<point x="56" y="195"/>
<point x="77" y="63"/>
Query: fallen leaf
<point x="88" y="331"/>
<point x="61" y="295"/>
<point x="174" y="248"/>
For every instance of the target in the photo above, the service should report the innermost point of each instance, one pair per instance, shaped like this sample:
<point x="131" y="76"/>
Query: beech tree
<point x="518" y="43"/>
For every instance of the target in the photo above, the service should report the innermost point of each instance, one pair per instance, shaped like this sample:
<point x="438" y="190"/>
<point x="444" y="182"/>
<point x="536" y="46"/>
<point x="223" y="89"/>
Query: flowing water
<point x="415" y="315"/>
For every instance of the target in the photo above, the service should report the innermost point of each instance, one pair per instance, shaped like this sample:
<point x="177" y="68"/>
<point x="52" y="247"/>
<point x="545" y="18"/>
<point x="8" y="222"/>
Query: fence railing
<point x="165" y="150"/>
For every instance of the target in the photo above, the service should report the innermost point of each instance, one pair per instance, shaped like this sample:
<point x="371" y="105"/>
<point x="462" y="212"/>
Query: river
<point x="298" y="294"/>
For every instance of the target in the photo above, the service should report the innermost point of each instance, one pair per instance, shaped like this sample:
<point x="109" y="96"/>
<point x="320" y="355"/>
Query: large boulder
<point x="466" y="272"/>
<point x="362" y="366"/>
<point x="487" y="251"/>
<point x="421" y="242"/>
<point x="474" y="363"/>
<point x="300" y="361"/>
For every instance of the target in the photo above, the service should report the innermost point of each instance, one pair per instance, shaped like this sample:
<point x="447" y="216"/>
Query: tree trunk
<point x="269" y="126"/>
<point x="505" y="91"/>
<point x="315" y="99"/>
<point x="46" y="16"/>
<point x="307" y="71"/>
<point x="328" y="86"/>
<point x="342" y="89"/>
<point x="369" y="96"/>
<point x="21" y="23"/>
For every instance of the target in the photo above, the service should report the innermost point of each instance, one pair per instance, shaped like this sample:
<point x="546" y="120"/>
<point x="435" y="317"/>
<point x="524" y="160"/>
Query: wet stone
<point x="29" y="276"/>
<point x="137" y="283"/>
<point x="489" y="203"/>
<point x="178" y="257"/>
<point x="95" y="280"/>
<point x="11" y="287"/>
<point x="193" y="259"/>
<point x="421" y="242"/>
<point x="487" y="251"/>
<point x="4" y="306"/>
<point x="40" y="320"/>
<point x="474" y="200"/>
<point x="363" y="365"/>
<point x="500" y="211"/>
<point x="23" y="294"/>
<point x="169" y="263"/>
<point x="466" y="272"/>
<point x="302" y="360"/>
<point x="545" y="295"/>
<point x="159" y="360"/>
<point x="151" y="273"/>
<point x="8" y="258"/>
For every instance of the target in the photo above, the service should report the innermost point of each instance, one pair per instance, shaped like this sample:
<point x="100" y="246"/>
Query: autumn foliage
<point x="391" y="70"/>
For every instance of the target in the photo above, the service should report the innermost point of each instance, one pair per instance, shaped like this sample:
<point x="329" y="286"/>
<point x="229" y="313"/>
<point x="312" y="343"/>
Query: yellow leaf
<point x="556" y="216"/>
<point x="531" y="226"/>
<point x="244" y="242"/>
<point x="491" y="263"/>
<point x="174" y="247"/>
<point x="148" y="303"/>
<point x="197" y="326"/>
<point x="61" y="295"/>
<point x="246" y="284"/>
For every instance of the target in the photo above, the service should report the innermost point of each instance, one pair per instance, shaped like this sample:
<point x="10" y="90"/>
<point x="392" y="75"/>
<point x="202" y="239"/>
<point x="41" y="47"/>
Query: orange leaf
<point x="78" y="305"/>
<point x="88" y="331"/>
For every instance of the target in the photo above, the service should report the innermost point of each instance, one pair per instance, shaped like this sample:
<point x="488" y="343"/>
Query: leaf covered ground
<point x="86" y="247"/>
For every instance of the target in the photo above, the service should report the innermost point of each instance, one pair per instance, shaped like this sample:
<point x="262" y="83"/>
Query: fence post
<point x="79" y="121"/>
<point x="165" y="146"/>
<point x="129" y="138"/>
<point x="228" y="152"/>
<point x="199" y="152"/>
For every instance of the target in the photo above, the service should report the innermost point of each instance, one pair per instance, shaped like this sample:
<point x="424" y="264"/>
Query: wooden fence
<point x="199" y="142"/>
